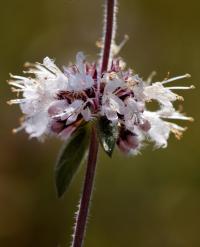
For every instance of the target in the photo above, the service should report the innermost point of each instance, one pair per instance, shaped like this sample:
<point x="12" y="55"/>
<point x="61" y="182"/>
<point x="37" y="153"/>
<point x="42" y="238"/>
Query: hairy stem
<point x="81" y="220"/>
<point x="109" y="33"/>
<point x="87" y="191"/>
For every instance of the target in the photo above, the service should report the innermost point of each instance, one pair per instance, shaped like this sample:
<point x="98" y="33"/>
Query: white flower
<point x="112" y="105"/>
<point x="133" y="113"/>
<point x="160" y="128"/>
<point x="164" y="95"/>
<point x="40" y="92"/>
<point x="70" y="112"/>
<point x="137" y="85"/>
<point x="78" y="79"/>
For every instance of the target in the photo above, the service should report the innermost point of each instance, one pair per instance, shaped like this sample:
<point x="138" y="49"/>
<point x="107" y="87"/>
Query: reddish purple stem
<point x="82" y="216"/>
<point x="87" y="191"/>
<point x="109" y="30"/>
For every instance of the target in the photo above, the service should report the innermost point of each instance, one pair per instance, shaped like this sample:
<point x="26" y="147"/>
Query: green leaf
<point x="70" y="158"/>
<point x="108" y="134"/>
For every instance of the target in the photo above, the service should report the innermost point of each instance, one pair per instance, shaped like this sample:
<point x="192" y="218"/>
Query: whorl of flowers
<point x="58" y="102"/>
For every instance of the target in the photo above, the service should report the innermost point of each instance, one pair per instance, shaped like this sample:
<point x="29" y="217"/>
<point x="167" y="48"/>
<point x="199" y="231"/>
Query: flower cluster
<point x="59" y="101"/>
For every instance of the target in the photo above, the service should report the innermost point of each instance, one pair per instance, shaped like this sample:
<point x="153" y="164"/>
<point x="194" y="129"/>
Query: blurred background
<point x="151" y="200"/>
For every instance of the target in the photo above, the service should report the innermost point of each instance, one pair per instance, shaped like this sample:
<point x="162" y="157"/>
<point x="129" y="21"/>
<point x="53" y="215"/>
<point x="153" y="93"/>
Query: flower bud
<point x="57" y="126"/>
<point x="127" y="141"/>
<point x="145" y="126"/>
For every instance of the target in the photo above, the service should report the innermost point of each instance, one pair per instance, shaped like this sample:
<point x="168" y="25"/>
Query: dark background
<point x="151" y="200"/>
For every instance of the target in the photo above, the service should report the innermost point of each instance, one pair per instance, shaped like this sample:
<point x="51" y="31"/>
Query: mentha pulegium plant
<point x="103" y="101"/>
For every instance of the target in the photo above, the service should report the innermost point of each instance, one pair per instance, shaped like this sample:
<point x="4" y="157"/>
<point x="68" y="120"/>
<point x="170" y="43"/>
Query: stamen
<point x="181" y="88"/>
<point x="16" y="84"/>
<point x="117" y="48"/>
<point x="178" y="97"/>
<point x="16" y="101"/>
<point x="16" y="130"/>
<point x="20" y="78"/>
<point x="151" y="76"/>
<point x="181" y="117"/>
<point x="176" y="78"/>
<point x="16" y="90"/>
<point x="178" y="134"/>
<point x="28" y="64"/>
